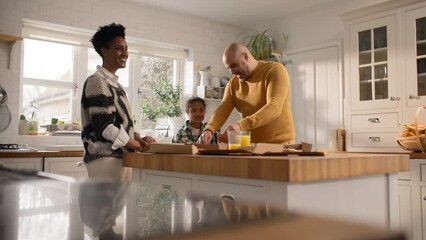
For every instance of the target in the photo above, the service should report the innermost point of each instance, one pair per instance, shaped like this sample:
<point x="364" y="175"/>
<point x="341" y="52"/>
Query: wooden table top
<point x="274" y="168"/>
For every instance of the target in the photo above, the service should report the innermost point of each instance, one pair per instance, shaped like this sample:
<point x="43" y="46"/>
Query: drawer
<point x="374" y="121"/>
<point x="375" y="140"/>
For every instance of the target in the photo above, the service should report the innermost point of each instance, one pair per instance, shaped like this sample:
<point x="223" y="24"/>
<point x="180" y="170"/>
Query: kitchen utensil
<point x="5" y="117"/>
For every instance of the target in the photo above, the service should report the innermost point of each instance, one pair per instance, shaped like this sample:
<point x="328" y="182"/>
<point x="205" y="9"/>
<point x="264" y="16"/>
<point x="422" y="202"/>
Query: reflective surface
<point x="36" y="208"/>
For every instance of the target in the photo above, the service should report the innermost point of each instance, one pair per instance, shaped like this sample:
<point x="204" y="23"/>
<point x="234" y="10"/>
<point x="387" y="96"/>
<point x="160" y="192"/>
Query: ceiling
<point x="240" y="13"/>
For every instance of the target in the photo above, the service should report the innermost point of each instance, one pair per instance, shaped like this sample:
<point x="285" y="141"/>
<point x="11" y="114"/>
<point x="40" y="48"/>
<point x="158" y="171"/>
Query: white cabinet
<point x="415" y="60"/>
<point x="68" y="166"/>
<point x="24" y="163"/>
<point x="405" y="209"/>
<point x="412" y="201"/>
<point x="372" y="72"/>
<point x="385" y="73"/>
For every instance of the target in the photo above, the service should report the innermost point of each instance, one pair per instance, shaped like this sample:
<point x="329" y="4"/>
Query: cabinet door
<point x="28" y="163"/>
<point x="373" y="64"/>
<point x="68" y="166"/>
<point x="415" y="47"/>
<point x="405" y="208"/>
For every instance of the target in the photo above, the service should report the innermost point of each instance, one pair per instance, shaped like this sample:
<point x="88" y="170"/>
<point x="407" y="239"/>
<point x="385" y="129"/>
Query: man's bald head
<point x="238" y="59"/>
<point x="235" y="49"/>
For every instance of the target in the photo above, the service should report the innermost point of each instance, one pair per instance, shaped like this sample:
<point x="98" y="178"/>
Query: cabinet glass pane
<point x="421" y="29"/>
<point x="381" y="89"/>
<point x="421" y="48"/>
<point x="421" y="85"/>
<point x="365" y="91"/>
<point x="380" y="55"/>
<point x="364" y="57"/>
<point x="364" y="74"/>
<point x="381" y="71"/>
<point x="364" y="40"/>
<point x="380" y="39"/>
<point x="421" y="66"/>
<point x="421" y="55"/>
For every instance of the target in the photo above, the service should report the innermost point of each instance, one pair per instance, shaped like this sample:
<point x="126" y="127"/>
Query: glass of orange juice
<point x="238" y="139"/>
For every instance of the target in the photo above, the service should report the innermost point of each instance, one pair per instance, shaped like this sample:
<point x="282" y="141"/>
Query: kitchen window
<point x="55" y="68"/>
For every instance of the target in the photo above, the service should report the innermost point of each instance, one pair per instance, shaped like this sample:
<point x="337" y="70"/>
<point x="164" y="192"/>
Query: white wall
<point x="315" y="26"/>
<point x="206" y="38"/>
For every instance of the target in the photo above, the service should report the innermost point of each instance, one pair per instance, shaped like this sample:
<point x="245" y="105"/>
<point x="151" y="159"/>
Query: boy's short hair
<point x="105" y="35"/>
<point x="193" y="100"/>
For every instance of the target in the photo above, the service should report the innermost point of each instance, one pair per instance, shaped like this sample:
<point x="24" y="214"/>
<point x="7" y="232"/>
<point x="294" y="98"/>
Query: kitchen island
<point x="35" y="207"/>
<point x="360" y="187"/>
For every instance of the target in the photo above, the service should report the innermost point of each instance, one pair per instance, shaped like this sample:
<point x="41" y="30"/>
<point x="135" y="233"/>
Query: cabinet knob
<point x="80" y="164"/>
<point x="374" y="139"/>
<point x="410" y="96"/>
<point x="424" y="198"/>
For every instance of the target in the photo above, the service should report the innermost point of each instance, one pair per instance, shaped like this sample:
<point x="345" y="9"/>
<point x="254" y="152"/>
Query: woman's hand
<point x="143" y="142"/>
<point x="146" y="141"/>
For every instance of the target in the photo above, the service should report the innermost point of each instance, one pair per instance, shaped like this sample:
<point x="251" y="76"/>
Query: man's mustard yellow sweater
<point x="263" y="101"/>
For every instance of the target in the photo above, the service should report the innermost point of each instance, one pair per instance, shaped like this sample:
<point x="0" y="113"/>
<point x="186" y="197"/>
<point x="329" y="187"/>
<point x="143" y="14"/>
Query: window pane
<point x="46" y="60"/>
<point x="46" y="102"/>
<point x="152" y="70"/>
<point x="94" y="60"/>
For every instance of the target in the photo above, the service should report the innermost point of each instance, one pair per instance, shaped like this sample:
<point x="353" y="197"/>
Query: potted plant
<point x="259" y="44"/>
<point x="166" y="104"/>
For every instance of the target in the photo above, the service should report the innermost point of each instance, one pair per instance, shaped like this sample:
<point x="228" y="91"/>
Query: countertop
<point x="275" y="168"/>
<point x="36" y="154"/>
<point x="42" y="208"/>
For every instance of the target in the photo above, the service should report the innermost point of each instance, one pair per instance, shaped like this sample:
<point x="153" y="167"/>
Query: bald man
<point x="260" y="92"/>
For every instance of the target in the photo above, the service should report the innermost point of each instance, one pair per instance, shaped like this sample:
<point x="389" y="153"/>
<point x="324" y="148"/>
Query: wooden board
<point x="274" y="168"/>
<point x="248" y="153"/>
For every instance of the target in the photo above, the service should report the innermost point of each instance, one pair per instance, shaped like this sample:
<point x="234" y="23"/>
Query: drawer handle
<point x="80" y="164"/>
<point x="374" y="120"/>
<point x="374" y="139"/>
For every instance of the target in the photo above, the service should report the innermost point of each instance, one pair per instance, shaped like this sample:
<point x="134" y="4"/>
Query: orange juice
<point x="245" y="140"/>
<point x="232" y="146"/>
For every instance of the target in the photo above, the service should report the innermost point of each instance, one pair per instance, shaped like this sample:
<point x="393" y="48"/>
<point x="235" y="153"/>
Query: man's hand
<point x="232" y="127"/>
<point x="205" y="138"/>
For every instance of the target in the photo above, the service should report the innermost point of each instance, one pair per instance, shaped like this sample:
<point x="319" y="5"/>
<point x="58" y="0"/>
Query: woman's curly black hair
<point x="105" y="35"/>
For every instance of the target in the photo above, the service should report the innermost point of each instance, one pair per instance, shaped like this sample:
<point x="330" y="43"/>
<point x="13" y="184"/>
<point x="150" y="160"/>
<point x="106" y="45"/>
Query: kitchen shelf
<point x="11" y="40"/>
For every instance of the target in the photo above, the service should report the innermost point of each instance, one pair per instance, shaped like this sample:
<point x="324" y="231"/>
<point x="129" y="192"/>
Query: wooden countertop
<point x="275" y="168"/>
<point x="303" y="227"/>
<point x="41" y="154"/>
<point x="415" y="155"/>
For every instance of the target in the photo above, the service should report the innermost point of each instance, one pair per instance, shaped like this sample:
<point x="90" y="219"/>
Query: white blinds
<point x="34" y="29"/>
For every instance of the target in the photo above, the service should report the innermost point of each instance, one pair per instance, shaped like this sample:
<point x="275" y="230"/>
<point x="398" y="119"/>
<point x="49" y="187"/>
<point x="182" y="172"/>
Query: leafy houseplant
<point x="259" y="44"/>
<point x="167" y="104"/>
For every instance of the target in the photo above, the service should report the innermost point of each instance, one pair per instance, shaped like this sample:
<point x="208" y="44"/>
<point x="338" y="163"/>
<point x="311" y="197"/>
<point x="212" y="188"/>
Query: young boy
<point x="189" y="133"/>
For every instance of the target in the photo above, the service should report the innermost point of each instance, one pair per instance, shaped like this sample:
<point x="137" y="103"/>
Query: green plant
<point x="168" y="101"/>
<point x="259" y="44"/>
